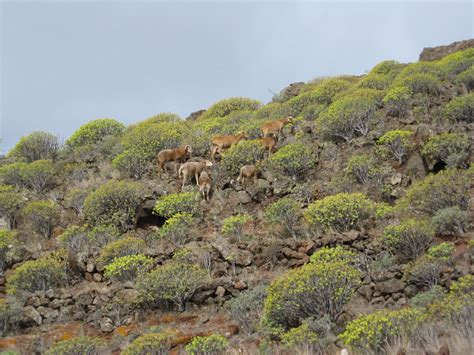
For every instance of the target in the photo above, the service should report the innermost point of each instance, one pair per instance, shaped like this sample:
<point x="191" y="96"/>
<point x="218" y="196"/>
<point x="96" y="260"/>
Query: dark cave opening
<point x="438" y="166"/>
<point x="148" y="219"/>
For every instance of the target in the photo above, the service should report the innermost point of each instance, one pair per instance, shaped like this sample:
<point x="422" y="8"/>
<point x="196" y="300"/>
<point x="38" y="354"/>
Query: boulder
<point x="220" y="291"/>
<point x="231" y="253"/>
<point x="435" y="53"/>
<point x="390" y="286"/>
<point x="30" y="317"/>
<point x="106" y="325"/>
<point x="244" y="197"/>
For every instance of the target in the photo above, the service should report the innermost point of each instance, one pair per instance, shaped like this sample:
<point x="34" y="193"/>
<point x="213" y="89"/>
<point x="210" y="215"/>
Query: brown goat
<point x="204" y="185"/>
<point x="225" y="142"/>
<point x="192" y="167"/>
<point x="247" y="172"/>
<point x="269" y="144"/>
<point x="175" y="154"/>
<point x="275" y="127"/>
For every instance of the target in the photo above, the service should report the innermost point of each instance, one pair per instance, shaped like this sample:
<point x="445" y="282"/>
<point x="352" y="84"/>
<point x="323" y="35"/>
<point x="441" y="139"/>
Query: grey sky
<point x="66" y="63"/>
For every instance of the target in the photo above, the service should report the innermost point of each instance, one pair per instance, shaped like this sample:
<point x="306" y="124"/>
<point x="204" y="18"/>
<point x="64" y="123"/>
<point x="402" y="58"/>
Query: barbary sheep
<point x="225" y="142"/>
<point x="175" y="154"/>
<point x="204" y="185"/>
<point x="275" y="127"/>
<point x="192" y="167"/>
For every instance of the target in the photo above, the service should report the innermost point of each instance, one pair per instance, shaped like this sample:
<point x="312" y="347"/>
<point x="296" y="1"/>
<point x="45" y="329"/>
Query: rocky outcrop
<point x="290" y="91"/>
<point x="435" y="53"/>
<point x="193" y="116"/>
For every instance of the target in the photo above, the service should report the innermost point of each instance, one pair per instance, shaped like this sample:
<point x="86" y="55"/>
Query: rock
<point x="260" y="190"/>
<point x="444" y="350"/>
<point x="97" y="277"/>
<point x="244" y="197"/>
<point x="106" y="325"/>
<point x="396" y="179"/>
<point x="201" y="296"/>
<point x="231" y="253"/>
<point x="90" y="267"/>
<point x="240" y="285"/>
<point x="127" y="295"/>
<point x="366" y="291"/>
<point x="390" y="286"/>
<point x="384" y="276"/>
<point x="293" y="254"/>
<point x="435" y="53"/>
<point x="30" y="317"/>
<point x="415" y="166"/>
<point x="55" y="304"/>
<point x="411" y="290"/>
<point x="350" y="236"/>
<point x="290" y="91"/>
<point x="220" y="291"/>
<point x="282" y="185"/>
<point x="195" y="115"/>
<point x="309" y="247"/>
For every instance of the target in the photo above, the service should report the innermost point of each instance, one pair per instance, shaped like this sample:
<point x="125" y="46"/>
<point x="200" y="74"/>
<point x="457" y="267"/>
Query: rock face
<point x="195" y="115"/>
<point x="435" y="53"/>
<point x="290" y="91"/>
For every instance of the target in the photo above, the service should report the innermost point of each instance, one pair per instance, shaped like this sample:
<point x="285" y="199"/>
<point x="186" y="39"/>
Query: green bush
<point x="184" y="202"/>
<point x="421" y="67"/>
<point x="450" y="221"/>
<point x="5" y="315"/>
<point x="340" y="212"/>
<point x="441" y="251"/>
<point x="172" y="283"/>
<point x="80" y="345"/>
<point x="10" y="203"/>
<point x="286" y="213"/>
<point x="234" y="226"/>
<point x="448" y="188"/>
<point x="207" y="345"/>
<point x="450" y="148"/>
<point x="381" y="76"/>
<point x="424" y="271"/>
<point x="114" y="203"/>
<point x="293" y="159"/>
<point x="150" y="138"/>
<point x="36" y="146"/>
<point x="163" y="117"/>
<point x="11" y="174"/>
<point x="423" y="83"/>
<point x="176" y="229"/>
<point x="7" y="240"/>
<point x="397" y="100"/>
<point x="39" y="175"/>
<point x="37" y="275"/>
<point x="460" y="109"/>
<point x="151" y="344"/>
<point x="320" y="288"/>
<point x="348" y="115"/>
<point x="43" y="216"/>
<point x="226" y="106"/>
<point x="75" y="239"/>
<point x="466" y="78"/>
<point x="457" y="62"/>
<point x="95" y="131"/>
<point x="327" y="88"/>
<point x="128" y="268"/>
<point x="246" y="308"/>
<point x="408" y="239"/>
<point x="423" y="299"/>
<point x="133" y="163"/>
<point x="271" y="111"/>
<point x="335" y="254"/>
<point x="312" y="112"/>
<point x="120" y="248"/>
<point x="396" y="143"/>
<point x="75" y="198"/>
<point x="243" y="153"/>
<point x="373" y="332"/>
<point x="361" y="168"/>
<point x="303" y="339"/>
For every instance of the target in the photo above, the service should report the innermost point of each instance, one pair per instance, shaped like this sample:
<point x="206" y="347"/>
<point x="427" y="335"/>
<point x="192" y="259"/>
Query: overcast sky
<point x="66" y="63"/>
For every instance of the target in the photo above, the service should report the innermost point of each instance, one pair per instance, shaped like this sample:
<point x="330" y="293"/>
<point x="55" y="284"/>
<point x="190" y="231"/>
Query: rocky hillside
<point x="356" y="231"/>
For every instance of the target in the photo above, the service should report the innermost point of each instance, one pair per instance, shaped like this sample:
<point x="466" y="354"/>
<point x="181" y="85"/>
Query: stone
<point x="220" y="291"/>
<point x="435" y="53"/>
<point x="97" y="277"/>
<point x="106" y="325"/>
<point x="231" y="253"/>
<point x="292" y="254"/>
<point x="366" y="291"/>
<point x="390" y="286"/>
<point x="90" y="267"/>
<point x="244" y="197"/>
<point x="396" y="179"/>
<point x="240" y="285"/>
<point x="127" y="295"/>
<point x="350" y="236"/>
<point x="30" y="317"/>
<point x="201" y="296"/>
<point x="55" y="304"/>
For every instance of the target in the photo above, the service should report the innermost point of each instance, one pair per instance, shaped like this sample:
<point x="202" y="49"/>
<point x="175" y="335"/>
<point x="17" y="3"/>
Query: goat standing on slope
<point x="204" y="185"/>
<point x="192" y="167"/>
<point x="175" y="154"/>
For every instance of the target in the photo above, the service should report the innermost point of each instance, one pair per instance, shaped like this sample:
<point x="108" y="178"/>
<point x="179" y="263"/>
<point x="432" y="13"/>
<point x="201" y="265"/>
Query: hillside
<point x="356" y="232"/>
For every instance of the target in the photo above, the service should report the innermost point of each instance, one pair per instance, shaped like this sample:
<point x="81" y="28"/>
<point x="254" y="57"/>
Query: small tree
<point x="80" y="345"/>
<point x="36" y="146"/>
<point x="184" y="202"/>
<point x="234" y="225"/>
<point x="396" y="143"/>
<point x="450" y="148"/>
<point x="361" y="167"/>
<point x="119" y="248"/>
<point x="227" y="106"/>
<point x="294" y="159"/>
<point x="133" y="163"/>
<point x="114" y="203"/>
<point x="424" y="271"/>
<point x="466" y="78"/>
<point x="246" y="308"/>
<point x="39" y="175"/>
<point x="75" y="239"/>
<point x="285" y="212"/>
<point x="303" y="339"/>
<point x="172" y="283"/>
<point x="42" y="216"/>
<point x="460" y="109"/>
<point x="7" y="240"/>
<point x="450" y="221"/>
<point x="176" y="228"/>
<point x="95" y="132"/>
<point x="243" y="153"/>
<point x="397" y="100"/>
<point x="11" y="174"/>
<point x="10" y="203"/>
<point x="424" y="83"/>
<point x="409" y="239"/>
<point x="128" y="268"/>
<point x="207" y="345"/>
<point x="152" y="343"/>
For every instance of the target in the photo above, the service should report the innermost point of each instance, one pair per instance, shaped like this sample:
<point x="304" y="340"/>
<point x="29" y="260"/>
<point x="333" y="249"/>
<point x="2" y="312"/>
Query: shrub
<point x="243" y="153"/>
<point x="207" y="345"/>
<point x="340" y="212"/>
<point x="120" y="248"/>
<point x="95" y="131"/>
<point x="317" y="289"/>
<point x="450" y="221"/>
<point x="466" y="78"/>
<point x="302" y="338"/>
<point x="234" y="225"/>
<point x="176" y="228"/>
<point x="152" y="343"/>
<point x="348" y="115"/>
<point x="424" y="83"/>
<point x="408" y="239"/>
<point x="327" y="88"/>
<point x="163" y="117"/>
<point x="42" y="216"/>
<point x="246" y="308"/>
<point x="271" y="111"/>
<point x="441" y="251"/>
<point x="172" y="283"/>
<point x="226" y="106"/>
<point x="460" y="109"/>
<point x="423" y="299"/>
<point x="457" y="62"/>
<point x="396" y="142"/>
<point x="102" y="235"/>
<point x="133" y="163"/>
<point x="285" y="212"/>
<point x="361" y="167"/>
<point x="80" y="345"/>
<point x="424" y="271"/>
<point x="5" y="315"/>
<point x="11" y="174"/>
<point x="10" y="202"/>
<point x="184" y="202"/>
<point x="128" y="268"/>
<point x="294" y="159"/>
<point x="75" y="198"/>
<point x="36" y="146"/>
<point x="372" y="332"/>
<point x="150" y="138"/>
<point x="38" y="175"/>
<point x="75" y="239"/>
<point x="7" y="239"/>
<point x="37" y="275"/>
<point x="448" y="188"/>
<point x="397" y="100"/>
<point x="114" y="203"/>
<point x="313" y="112"/>
<point x="450" y="148"/>
<point x="335" y="254"/>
